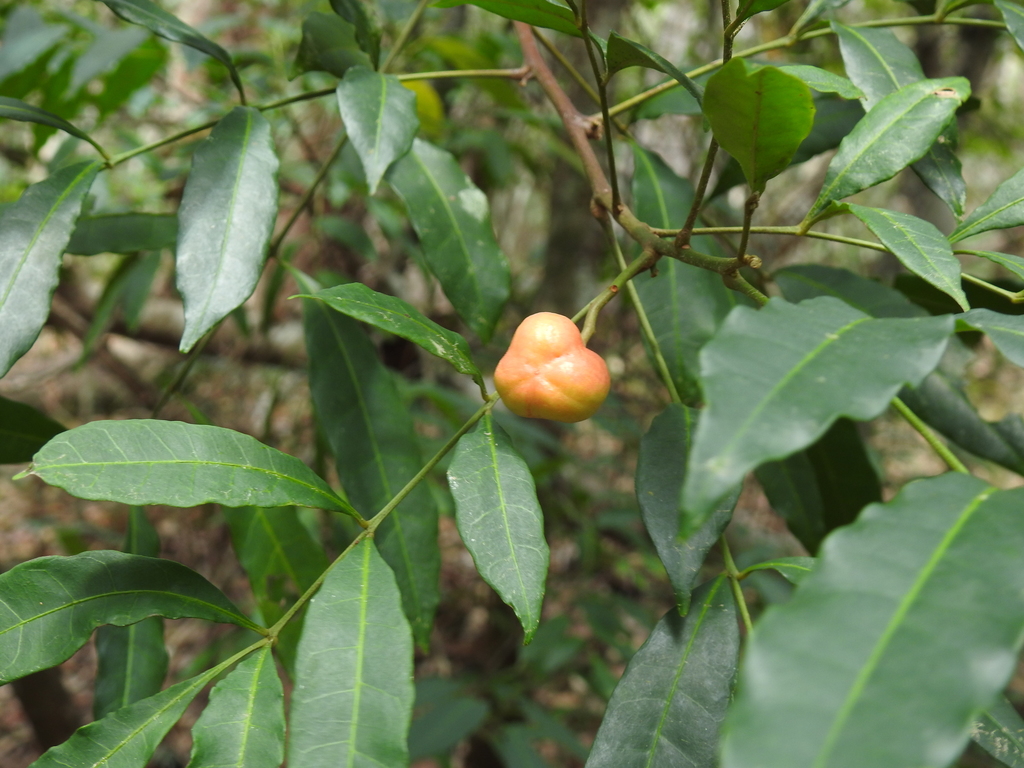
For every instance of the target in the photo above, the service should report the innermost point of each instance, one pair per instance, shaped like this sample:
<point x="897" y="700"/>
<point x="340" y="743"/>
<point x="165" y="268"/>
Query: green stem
<point x="748" y="215"/>
<point x="595" y="305"/>
<point x="403" y="36"/>
<point x="734" y="581"/>
<point x="683" y="235"/>
<point x="1016" y="297"/>
<point x="307" y="196"/>
<point x="926" y="432"/>
<point x="379" y="518"/>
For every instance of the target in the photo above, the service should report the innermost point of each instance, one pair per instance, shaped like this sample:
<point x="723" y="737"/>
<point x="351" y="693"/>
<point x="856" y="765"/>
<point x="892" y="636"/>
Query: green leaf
<point x="833" y="120"/>
<point x="52" y="604"/>
<point x="225" y="221"/>
<point x="759" y="115"/>
<point x="895" y="132"/>
<point x="806" y="281"/>
<point x="661" y="468"/>
<point x="132" y="660"/>
<point x="444" y="716"/>
<point x="550" y="14"/>
<point x="500" y="519"/>
<point x="753" y="7"/>
<point x="880" y="64"/>
<point x="623" y="53"/>
<point x="243" y="725"/>
<point x="26" y="39"/>
<point x="794" y="569"/>
<point x="453" y="221"/>
<point x="108" y="49"/>
<point x="823" y="81"/>
<point x="182" y="465"/>
<point x="793" y="493"/>
<point x="367" y="31"/>
<point x="393" y="315"/>
<point x="1000" y="732"/>
<point x="33" y="233"/>
<point x="271" y="544"/>
<point x="1006" y="331"/>
<point x="329" y="45"/>
<point x="123" y="233"/>
<point x="901" y="678"/>
<point x="669" y="704"/>
<point x="1004" y="209"/>
<point x="919" y="246"/>
<point x="685" y="304"/>
<point x="127" y="738"/>
<point x="135" y="71"/>
<point x="16" y="109"/>
<point x="1014" y="264"/>
<point x="23" y="431"/>
<point x="161" y="23"/>
<point x="380" y="118"/>
<point x="375" y="450"/>
<point x="1013" y="15"/>
<point x="814" y="10"/>
<point x="353" y="694"/>
<point x="803" y="367"/>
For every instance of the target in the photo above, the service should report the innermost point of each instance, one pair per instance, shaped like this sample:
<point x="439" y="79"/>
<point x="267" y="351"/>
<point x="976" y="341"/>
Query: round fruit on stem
<point x="548" y="373"/>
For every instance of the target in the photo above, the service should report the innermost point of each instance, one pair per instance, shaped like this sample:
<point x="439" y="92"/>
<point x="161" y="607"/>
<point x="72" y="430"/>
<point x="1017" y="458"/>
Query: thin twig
<point x="930" y="437"/>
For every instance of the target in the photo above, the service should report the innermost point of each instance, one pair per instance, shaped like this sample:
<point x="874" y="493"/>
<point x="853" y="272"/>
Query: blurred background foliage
<point x="110" y="348"/>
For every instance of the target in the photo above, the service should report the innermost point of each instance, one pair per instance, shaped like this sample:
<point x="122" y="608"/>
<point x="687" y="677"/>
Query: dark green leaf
<point x="898" y="130"/>
<point x="272" y="544"/>
<point x="685" y="304"/>
<point x="1004" y="209"/>
<point x="52" y="604"/>
<point x="375" y="450"/>
<point x="127" y="738"/>
<point x="123" y="233"/>
<point x="803" y="367"/>
<point x="15" y="109"/>
<point x="328" y="45"/>
<point x="623" y="53"/>
<point x="823" y="81"/>
<point x="760" y="115"/>
<point x="753" y="7"/>
<point x="806" y="281"/>
<point x="243" y="725"/>
<point x="1013" y="15"/>
<point x="391" y="314"/>
<point x="367" y="32"/>
<point x="814" y="9"/>
<point x="919" y="246"/>
<point x="549" y="14"/>
<point x="452" y="218"/>
<point x="1006" y="331"/>
<point x="1000" y="732"/>
<point x="846" y="477"/>
<point x="880" y="64"/>
<point x="793" y="492"/>
<point x="353" y="694"/>
<point x="161" y="23"/>
<point x="33" y="233"/>
<point x="794" y="569"/>
<point x="132" y="660"/>
<point x="669" y="704"/>
<point x="449" y="717"/>
<point x="866" y="664"/>
<point x="661" y="467"/>
<point x="380" y="118"/>
<point x="500" y="519"/>
<point x="23" y="431"/>
<point x="833" y="120"/>
<point x="1014" y="264"/>
<point x="167" y="462"/>
<point x="226" y="217"/>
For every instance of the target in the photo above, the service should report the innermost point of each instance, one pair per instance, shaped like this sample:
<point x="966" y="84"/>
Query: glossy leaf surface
<point x="669" y="704"/>
<point x="792" y="358"/>
<point x="367" y="32"/>
<point x="35" y="231"/>
<point x="759" y="115"/>
<point x="243" y="725"/>
<point x="549" y="14"/>
<point x="823" y="81"/>
<point x="225" y="220"/>
<point x="500" y="519"/>
<point x="1004" y="209"/>
<point x="123" y="233"/>
<point x="380" y="118"/>
<point x="753" y="7"/>
<point x="895" y="132"/>
<point x="168" y="462"/>
<point x="23" y="431"/>
<point x="452" y="218"/>
<point x="329" y="45"/>
<point x="661" y="467"/>
<point x="623" y="52"/>
<point x="376" y="452"/>
<point x="391" y="314"/>
<point x="353" y="694"/>
<point x="880" y="696"/>
<point x="128" y="737"/>
<point x="52" y="604"/>
<point x="132" y="660"/>
<point x="919" y="246"/>
<point x="163" y="24"/>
